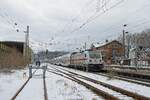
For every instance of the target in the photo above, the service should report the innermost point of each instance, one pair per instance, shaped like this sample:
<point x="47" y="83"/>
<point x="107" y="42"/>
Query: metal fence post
<point x="30" y="71"/>
<point x="44" y="71"/>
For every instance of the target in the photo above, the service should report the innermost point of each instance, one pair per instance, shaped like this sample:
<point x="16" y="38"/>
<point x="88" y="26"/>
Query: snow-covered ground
<point x="58" y="87"/>
<point x="136" y="88"/>
<point x="10" y="82"/>
<point x="34" y="89"/>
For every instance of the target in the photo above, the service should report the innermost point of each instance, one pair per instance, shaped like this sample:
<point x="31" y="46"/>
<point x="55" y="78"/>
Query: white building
<point x="139" y="56"/>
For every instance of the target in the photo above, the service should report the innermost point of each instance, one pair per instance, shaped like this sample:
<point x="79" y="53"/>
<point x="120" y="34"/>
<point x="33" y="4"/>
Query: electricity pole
<point x="26" y="45"/>
<point x="123" y="42"/>
<point x="85" y="46"/>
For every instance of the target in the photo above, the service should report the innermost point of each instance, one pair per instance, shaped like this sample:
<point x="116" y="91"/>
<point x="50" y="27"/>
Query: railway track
<point x="21" y="88"/>
<point x="92" y="88"/>
<point x="134" y="73"/>
<point x="27" y="82"/>
<point x="145" y="82"/>
<point x="131" y="75"/>
<point x="129" y="79"/>
<point x="128" y="67"/>
<point x="105" y="90"/>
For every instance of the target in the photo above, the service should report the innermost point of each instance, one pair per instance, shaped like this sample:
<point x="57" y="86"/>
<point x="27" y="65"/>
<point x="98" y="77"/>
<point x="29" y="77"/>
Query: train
<point x="85" y="60"/>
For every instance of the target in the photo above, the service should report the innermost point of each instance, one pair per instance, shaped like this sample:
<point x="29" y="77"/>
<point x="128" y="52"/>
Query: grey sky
<point x="54" y="21"/>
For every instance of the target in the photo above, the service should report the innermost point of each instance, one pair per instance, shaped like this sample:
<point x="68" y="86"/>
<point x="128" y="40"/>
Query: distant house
<point x="112" y="51"/>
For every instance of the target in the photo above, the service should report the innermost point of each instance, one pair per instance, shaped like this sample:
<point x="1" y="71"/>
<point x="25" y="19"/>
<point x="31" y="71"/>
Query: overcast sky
<point x="68" y="24"/>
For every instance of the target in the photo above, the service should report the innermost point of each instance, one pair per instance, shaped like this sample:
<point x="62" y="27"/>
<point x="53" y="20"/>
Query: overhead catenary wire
<point x="137" y="10"/>
<point x="104" y="1"/>
<point x="94" y="16"/>
<point x="74" y="19"/>
<point x="117" y="26"/>
<point x="111" y="28"/>
<point x="11" y="20"/>
<point x="103" y="5"/>
<point x="133" y="12"/>
<point x="140" y="26"/>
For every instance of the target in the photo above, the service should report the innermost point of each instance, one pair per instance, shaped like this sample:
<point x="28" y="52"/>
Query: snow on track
<point x="10" y="82"/>
<point x="136" y="88"/>
<point x="107" y="90"/>
<point x="34" y="89"/>
<point x="60" y="88"/>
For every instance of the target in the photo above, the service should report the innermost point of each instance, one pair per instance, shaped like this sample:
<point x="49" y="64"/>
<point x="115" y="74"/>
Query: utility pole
<point x="128" y="42"/>
<point x="85" y="46"/>
<point x="26" y="45"/>
<point x="123" y="42"/>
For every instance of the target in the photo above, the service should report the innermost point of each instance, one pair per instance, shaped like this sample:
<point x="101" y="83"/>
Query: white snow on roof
<point x="99" y="44"/>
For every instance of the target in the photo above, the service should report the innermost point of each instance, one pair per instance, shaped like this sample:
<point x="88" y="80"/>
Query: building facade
<point x="112" y="52"/>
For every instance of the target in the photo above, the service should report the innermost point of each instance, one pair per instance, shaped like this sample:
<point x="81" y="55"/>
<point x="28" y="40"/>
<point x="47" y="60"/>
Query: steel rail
<point x="125" y="92"/>
<point x="21" y="88"/>
<point x="125" y="79"/>
<point x="94" y="89"/>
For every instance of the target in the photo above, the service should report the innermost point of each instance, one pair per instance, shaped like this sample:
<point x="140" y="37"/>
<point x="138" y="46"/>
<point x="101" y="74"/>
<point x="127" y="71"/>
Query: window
<point x="94" y="54"/>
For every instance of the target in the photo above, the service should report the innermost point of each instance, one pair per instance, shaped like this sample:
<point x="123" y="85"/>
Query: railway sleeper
<point x="125" y="92"/>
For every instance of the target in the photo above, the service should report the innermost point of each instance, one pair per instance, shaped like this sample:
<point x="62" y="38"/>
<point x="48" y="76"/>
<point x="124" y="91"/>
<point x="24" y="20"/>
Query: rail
<point x="122" y="91"/>
<point x="21" y="88"/>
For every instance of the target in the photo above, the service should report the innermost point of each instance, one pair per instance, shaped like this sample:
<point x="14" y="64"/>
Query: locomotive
<point x="85" y="60"/>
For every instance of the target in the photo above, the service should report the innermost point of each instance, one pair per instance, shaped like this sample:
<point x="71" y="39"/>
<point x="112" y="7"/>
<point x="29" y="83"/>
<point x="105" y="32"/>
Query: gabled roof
<point x="107" y="43"/>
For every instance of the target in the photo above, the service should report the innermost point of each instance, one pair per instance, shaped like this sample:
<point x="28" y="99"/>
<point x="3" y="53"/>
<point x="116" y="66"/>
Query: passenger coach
<point x="86" y="60"/>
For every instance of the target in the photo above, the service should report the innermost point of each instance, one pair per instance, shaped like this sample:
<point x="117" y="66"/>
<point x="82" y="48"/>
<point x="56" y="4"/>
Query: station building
<point x="112" y="51"/>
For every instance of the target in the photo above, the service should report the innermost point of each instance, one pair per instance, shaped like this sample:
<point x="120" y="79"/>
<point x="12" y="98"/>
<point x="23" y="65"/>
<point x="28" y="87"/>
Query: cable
<point x="75" y="18"/>
<point x="103" y="5"/>
<point x="137" y="10"/>
<point x="93" y="17"/>
<point x="108" y="29"/>
<point x="11" y="21"/>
